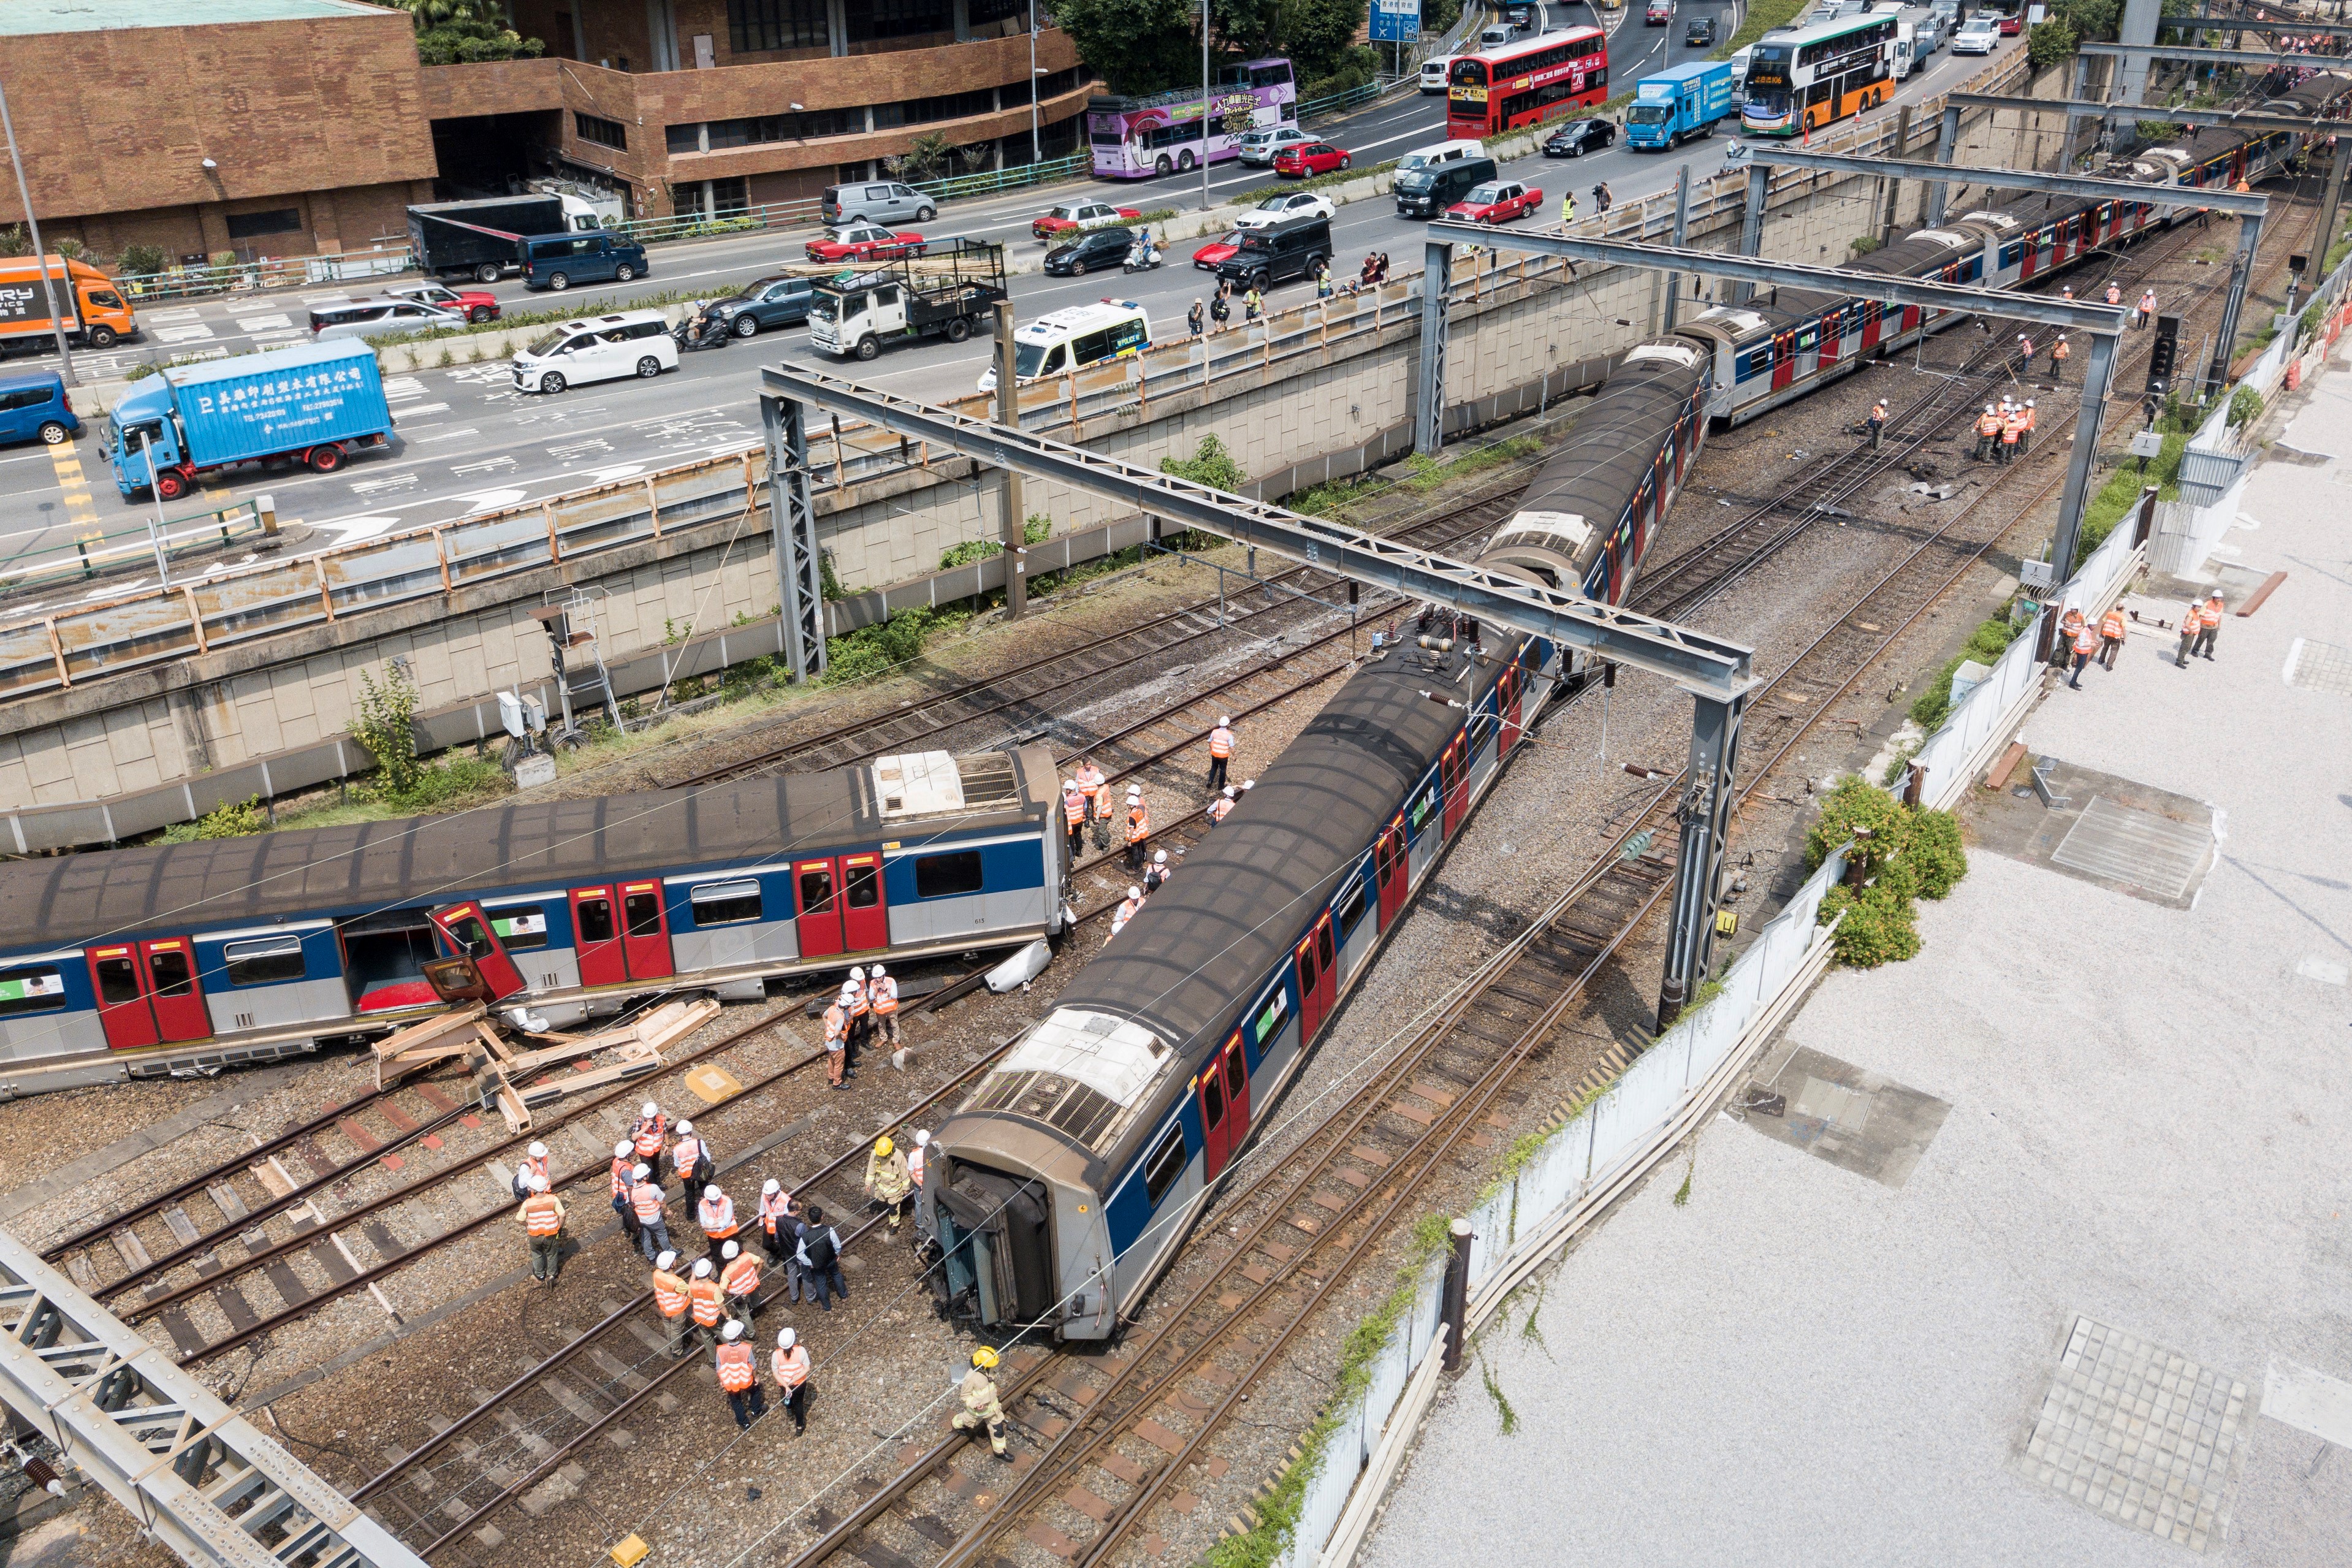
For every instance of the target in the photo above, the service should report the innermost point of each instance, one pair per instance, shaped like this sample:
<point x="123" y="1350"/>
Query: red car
<point x="1214" y="254"/>
<point x="1314" y="158"/>
<point x="475" y="305"/>
<point x="1496" y="201"/>
<point x="1072" y="216"/>
<point x="864" y="242"/>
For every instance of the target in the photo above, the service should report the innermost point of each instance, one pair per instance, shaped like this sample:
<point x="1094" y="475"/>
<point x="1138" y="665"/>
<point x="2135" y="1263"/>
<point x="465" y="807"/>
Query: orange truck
<point x="96" y="314"/>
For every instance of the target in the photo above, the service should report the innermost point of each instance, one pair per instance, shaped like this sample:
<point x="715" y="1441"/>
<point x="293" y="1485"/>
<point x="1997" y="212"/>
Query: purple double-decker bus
<point x="1161" y="134"/>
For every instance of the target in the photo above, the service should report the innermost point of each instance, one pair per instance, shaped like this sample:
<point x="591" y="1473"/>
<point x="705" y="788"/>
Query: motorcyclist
<point x="1144" y="253"/>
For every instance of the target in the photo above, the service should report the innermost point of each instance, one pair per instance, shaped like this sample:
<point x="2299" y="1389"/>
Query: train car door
<point x="1873" y="319"/>
<point x="644" y="932"/>
<point x="1455" y="778"/>
<point x="1216" y="1143"/>
<point x="468" y="934"/>
<point x="1237" y="1093"/>
<point x="1389" y="863"/>
<point x="815" y="887"/>
<point x="2029" y="257"/>
<point x="865" y="916"/>
<point x="597" y="936"/>
<point x="1784" y="359"/>
<point x="1508" y="694"/>
<point x="1832" y="333"/>
<point x="148" y="993"/>
<point x="173" y="990"/>
<point x="1316" y="980"/>
<point x="116" y="974"/>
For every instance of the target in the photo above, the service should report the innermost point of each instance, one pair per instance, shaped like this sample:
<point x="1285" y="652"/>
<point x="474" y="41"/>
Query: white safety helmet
<point x="641" y="1171"/>
<point x="2029" y="402"/>
<point x="649" y="1110"/>
<point x="733" y="1331"/>
<point x="729" y="1250"/>
<point x="1224" y="720"/>
<point x="1987" y="408"/>
<point x="621" y="1151"/>
<point x="922" y="1140"/>
<point x="702" y="1269"/>
<point x="1135" y="892"/>
<point x="666" y="1259"/>
<point x="684" y="1128"/>
<point x="1249" y="783"/>
<point x="539" y="1150"/>
<point x="875" y="973"/>
<point x="711" y="1191"/>
<point x="1069" y="784"/>
<point x="771" y="1187"/>
<point x="539" y="1184"/>
<point x="1229" y="789"/>
<point x="784" y="1337"/>
<point x="1159" y="857"/>
<point x="857" y="974"/>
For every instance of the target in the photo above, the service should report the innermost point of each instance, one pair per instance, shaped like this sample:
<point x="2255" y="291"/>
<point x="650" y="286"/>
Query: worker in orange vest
<point x="1221" y="808"/>
<point x="647" y="1199"/>
<point x="882" y="1002"/>
<point x="715" y="1215"/>
<point x="651" y="1134"/>
<point x="739" y="1375"/>
<point x="1987" y="432"/>
<point x="836" y="1041"/>
<point x="542" y="1218"/>
<point x="777" y="1232"/>
<point x="625" y="1160"/>
<point x="2012" y="427"/>
<point x="2070" y="626"/>
<point x="738" y="1280"/>
<point x="1139" y="826"/>
<point x="2058" y="354"/>
<point x="689" y="1157"/>
<point x="2209" y="624"/>
<point x="789" y="1363"/>
<point x="533" y="1166"/>
<point x="2025" y="436"/>
<point x="1877" y="423"/>
<point x="1090" y="781"/>
<point x="2086" y="644"/>
<point x="1220" y="752"/>
<point x="2111" y="636"/>
<point x="706" y="1301"/>
<point x="861" y="1014"/>
<point x="1076" y="803"/>
<point x="670" y="1301"/>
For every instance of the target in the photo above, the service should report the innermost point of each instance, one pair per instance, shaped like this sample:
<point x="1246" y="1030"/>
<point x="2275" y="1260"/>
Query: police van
<point x="1076" y="338"/>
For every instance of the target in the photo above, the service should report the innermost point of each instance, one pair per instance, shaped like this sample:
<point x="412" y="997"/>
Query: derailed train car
<point x="1062" y="1186"/>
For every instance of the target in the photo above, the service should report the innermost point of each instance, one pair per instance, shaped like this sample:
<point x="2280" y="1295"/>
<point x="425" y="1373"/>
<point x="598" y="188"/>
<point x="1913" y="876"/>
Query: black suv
<point x="1279" y="252"/>
<point x="1090" y="252"/>
<point x="777" y="301"/>
<point x="1428" y="190"/>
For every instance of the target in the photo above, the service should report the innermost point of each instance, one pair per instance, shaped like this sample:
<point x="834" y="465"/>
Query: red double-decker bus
<point x="1527" y="83"/>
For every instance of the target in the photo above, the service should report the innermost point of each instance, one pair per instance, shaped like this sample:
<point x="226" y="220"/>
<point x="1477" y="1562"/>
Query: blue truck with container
<point x="314" y="403"/>
<point x="1681" y="101"/>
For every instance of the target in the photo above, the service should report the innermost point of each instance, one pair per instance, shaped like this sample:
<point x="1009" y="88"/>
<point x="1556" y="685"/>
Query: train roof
<point x="70" y="900"/>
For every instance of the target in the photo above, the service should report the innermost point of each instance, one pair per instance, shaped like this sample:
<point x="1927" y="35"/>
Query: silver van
<point x="334" y="321"/>
<point x="884" y="202"/>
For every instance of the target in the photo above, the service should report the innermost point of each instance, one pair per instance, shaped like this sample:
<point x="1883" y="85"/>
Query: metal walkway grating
<point x="2124" y="844"/>
<point x="2319" y="667"/>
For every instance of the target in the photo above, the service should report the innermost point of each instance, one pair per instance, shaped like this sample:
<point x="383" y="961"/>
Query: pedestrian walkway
<point x="2048" y="1258"/>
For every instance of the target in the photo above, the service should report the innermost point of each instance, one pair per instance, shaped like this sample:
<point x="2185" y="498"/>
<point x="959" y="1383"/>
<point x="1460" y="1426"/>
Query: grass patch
<point x="1762" y="17"/>
<point x="454" y="783"/>
<point x="1311" y="183"/>
<point x="1985" y="645"/>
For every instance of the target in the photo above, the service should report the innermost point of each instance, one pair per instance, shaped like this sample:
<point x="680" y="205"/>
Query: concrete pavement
<point x="2047" y="1262"/>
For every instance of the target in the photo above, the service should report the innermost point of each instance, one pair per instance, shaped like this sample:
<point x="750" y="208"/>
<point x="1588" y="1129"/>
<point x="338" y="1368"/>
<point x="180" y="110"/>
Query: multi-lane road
<point x="468" y="442"/>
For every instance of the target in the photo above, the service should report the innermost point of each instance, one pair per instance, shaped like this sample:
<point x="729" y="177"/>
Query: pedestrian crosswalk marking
<point x="79" y="507"/>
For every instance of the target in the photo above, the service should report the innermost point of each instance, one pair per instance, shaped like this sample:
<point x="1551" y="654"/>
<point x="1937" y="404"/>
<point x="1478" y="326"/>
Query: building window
<point x="981" y="12"/>
<point x="899" y="18"/>
<point x="717" y="135"/>
<point x="922" y="111"/>
<point x="602" y="132"/>
<point x="253" y="226"/>
<point x="1060" y="82"/>
<point x="755" y="26"/>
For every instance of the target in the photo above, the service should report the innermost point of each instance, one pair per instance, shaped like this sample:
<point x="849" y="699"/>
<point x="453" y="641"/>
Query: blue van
<point x="559" y="260"/>
<point x="35" y="404"/>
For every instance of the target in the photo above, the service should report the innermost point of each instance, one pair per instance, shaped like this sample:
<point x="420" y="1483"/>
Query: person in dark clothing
<point x="820" y="1260"/>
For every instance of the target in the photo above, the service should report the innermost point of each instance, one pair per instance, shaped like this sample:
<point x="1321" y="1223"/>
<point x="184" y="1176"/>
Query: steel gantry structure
<point x="1714" y="670"/>
<point x="199" y="1478"/>
<point x="2247" y="205"/>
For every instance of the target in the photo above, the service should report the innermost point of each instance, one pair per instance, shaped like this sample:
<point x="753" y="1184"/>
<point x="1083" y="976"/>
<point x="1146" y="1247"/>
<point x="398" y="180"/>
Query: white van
<point x="1441" y="152"/>
<point x="1501" y="33"/>
<point x="603" y="347"/>
<point x="1433" y="73"/>
<point x="1075" y="338"/>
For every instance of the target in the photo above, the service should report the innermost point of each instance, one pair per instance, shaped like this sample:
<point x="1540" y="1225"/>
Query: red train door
<point x="148" y="993"/>
<point x="1317" y="983"/>
<point x="2029" y="257"/>
<point x="1217" y="1142"/>
<point x="1910" y="318"/>
<point x="1237" y="1093"/>
<point x="864" y="913"/>
<point x="1454" y="777"/>
<point x="1784" y="359"/>
<point x="1832" y="329"/>
<point x="1389" y="861"/>
<point x="467" y="932"/>
<point x="1873" y="318"/>
<point x="1507" y="693"/>
<point x="596" y="936"/>
<point x="644" y="932"/>
<point x="819" y="924"/>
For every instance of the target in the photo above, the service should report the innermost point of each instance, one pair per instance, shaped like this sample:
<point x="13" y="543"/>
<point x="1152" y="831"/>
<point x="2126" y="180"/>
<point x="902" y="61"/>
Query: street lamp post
<point x="1208" y="108"/>
<point x="40" y="252"/>
<point x="1036" y="145"/>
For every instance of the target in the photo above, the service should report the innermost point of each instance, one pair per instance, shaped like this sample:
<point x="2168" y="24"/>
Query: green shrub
<point x="1985" y="645"/>
<point x="2245" y="405"/>
<point x="454" y="781"/>
<point x="1863" y="244"/>
<point x="137" y="258"/>
<point x="872" y="651"/>
<point x="1933" y="851"/>
<point x="387" y="725"/>
<point x="1856" y="809"/>
<point x="230" y="819"/>
<point x="1903" y="855"/>
<point x="1878" y="928"/>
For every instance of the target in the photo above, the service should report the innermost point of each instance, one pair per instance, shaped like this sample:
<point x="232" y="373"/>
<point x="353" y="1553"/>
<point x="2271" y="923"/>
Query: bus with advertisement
<point x="1799" y="81"/>
<point x="1134" y="138"/>
<point x="1528" y="83"/>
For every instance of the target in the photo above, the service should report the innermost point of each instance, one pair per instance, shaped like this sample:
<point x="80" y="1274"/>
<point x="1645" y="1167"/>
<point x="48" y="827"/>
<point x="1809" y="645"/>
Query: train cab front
<point x="1017" y="1176"/>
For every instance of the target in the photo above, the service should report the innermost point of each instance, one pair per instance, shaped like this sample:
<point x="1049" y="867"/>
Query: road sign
<point x="1396" y="21"/>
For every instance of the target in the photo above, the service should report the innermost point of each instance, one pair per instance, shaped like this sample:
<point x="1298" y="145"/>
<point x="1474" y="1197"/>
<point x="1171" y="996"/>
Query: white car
<point x="625" y="344"/>
<point x="1978" y="36"/>
<point x="1433" y="73"/>
<point x="1261" y="147"/>
<point x="1285" y="205"/>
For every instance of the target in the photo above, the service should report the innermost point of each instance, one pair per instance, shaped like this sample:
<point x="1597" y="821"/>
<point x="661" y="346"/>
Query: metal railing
<point x="92" y="552"/>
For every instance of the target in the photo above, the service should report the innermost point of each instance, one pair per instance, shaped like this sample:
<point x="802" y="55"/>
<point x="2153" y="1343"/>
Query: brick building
<point x="295" y="127"/>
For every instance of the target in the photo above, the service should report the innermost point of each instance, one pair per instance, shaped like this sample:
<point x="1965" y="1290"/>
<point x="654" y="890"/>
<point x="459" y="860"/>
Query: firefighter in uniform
<point x="789" y="1363"/>
<point x="738" y="1282"/>
<point x="1220" y="752"/>
<point x="739" y="1375"/>
<point x="541" y="1215"/>
<point x="888" y="1179"/>
<point x="670" y="1301"/>
<point x="980" y="1406"/>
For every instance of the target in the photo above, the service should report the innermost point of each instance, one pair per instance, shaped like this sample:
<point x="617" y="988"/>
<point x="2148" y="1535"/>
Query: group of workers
<point x="2080" y="640"/>
<point x="1086" y="805"/>
<point x="865" y="1010"/>
<point x="2004" y="431"/>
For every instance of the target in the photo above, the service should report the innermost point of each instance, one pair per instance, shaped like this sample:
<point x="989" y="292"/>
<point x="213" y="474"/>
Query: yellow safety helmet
<point x="984" y="1359"/>
<point x="882" y="1146"/>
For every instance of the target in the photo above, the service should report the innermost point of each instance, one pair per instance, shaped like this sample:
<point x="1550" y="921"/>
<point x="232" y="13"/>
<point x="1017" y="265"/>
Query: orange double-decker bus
<point x="1527" y="83"/>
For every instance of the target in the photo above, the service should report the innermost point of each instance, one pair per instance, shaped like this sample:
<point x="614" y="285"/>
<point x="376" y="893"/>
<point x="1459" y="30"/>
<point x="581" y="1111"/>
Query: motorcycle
<point x="703" y="328"/>
<point x="1141" y="256"/>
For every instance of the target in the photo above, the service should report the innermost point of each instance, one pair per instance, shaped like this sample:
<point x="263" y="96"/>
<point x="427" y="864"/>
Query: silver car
<point x="332" y="321"/>
<point x="1261" y="147"/>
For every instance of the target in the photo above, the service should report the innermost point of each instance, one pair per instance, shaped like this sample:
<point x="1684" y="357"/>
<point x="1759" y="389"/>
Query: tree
<point x="1148" y="46"/>
<point x="450" y="32"/>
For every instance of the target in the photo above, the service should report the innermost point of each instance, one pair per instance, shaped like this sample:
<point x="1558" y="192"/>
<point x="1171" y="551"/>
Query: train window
<point x="30" y="991"/>
<point x="644" y="913"/>
<point x="865" y="884"/>
<point x="117" y="980"/>
<point x="265" y="962"/>
<point x="1212" y="1098"/>
<point x="167" y="970"/>
<point x="1270" y="1016"/>
<point x="1422" y="806"/>
<point x="519" y="925"/>
<point x="945" y="875"/>
<point x="719" y="903"/>
<point x="468" y="933"/>
<point x="1350" y="907"/>
<point x="1166" y="1164"/>
<point x="596" y="920"/>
